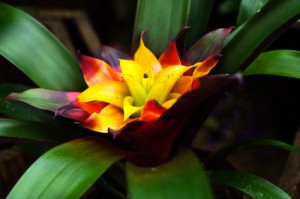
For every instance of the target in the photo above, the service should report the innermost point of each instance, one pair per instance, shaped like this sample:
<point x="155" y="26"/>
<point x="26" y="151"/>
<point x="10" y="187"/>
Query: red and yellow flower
<point x="146" y="102"/>
<point x="140" y="89"/>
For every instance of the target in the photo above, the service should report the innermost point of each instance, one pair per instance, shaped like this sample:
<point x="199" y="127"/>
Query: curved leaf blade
<point x="278" y="62"/>
<point x="251" y="185"/>
<point x="175" y="179"/>
<point x="199" y="15"/>
<point x="36" y="52"/>
<point x="35" y="132"/>
<point x="248" y="8"/>
<point x="18" y="110"/>
<point x="68" y="170"/>
<point x="249" y="39"/>
<point x="166" y="19"/>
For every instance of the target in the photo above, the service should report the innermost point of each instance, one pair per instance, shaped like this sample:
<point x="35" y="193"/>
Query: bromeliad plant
<point x="140" y="114"/>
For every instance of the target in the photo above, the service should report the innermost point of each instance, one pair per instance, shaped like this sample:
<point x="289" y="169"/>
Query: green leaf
<point x="227" y="150"/>
<point x="248" y="8"/>
<point x="36" y="52"/>
<point x="249" y="39"/>
<point x="199" y="15"/>
<point x="35" y="132"/>
<point x="161" y="19"/>
<point x="68" y="170"/>
<point x="251" y="185"/>
<point x="182" y="177"/>
<point x="44" y="98"/>
<point x="18" y="110"/>
<point x="278" y="62"/>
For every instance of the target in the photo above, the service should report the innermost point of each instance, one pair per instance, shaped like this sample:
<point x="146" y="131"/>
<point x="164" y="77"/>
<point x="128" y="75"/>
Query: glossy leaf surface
<point x="18" y="110"/>
<point x="36" y="52"/>
<point x="278" y="62"/>
<point x="182" y="177"/>
<point x="35" y="132"/>
<point x="250" y="39"/>
<point x="199" y="15"/>
<point x="248" y="8"/>
<point x="162" y="20"/>
<point x="68" y="170"/>
<point x="251" y="185"/>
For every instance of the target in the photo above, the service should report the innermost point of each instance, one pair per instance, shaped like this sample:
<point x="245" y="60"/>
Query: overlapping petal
<point x="146" y="58"/>
<point x="164" y="82"/>
<point x="203" y="68"/>
<point x="111" y="92"/>
<point x="95" y="70"/>
<point x="128" y="107"/>
<point x="110" y="117"/>
<point x="170" y="56"/>
<point x="80" y="111"/>
<point x="152" y="111"/>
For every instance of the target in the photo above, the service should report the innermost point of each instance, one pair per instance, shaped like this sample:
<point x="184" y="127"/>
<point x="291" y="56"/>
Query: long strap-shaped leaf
<point x="36" y="52"/>
<point x="251" y="185"/>
<point x="278" y="62"/>
<point x="183" y="177"/>
<point x="249" y="8"/>
<point x="251" y="37"/>
<point x="35" y="132"/>
<point x="68" y="170"/>
<point x="162" y="20"/>
<point x="18" y="110"/>
<point x="199" y="15"/>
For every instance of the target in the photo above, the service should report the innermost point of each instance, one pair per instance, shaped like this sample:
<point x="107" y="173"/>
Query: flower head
<point x="142" y="88"/>
<point x="152" y="105"/>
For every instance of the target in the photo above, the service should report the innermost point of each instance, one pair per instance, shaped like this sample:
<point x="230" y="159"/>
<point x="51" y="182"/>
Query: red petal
<point x="170" y="56"/>
<point x="152" y="111"/>
<point x="91" y="107"/>
<point x="96" y="70"/>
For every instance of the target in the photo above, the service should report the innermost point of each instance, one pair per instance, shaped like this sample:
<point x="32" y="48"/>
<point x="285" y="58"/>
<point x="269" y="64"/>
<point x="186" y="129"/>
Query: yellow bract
<point x="112" y="92"/>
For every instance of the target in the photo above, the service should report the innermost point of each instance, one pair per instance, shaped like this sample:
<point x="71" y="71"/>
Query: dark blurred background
<point x="112" y="20"/>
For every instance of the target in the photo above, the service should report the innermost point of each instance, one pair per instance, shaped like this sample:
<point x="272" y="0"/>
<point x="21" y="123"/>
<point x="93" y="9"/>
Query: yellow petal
<point x="172" y="98"/>
<point x="168" y="104"/>
<point x="110" y="117"/>
<point x="146" y="58"/>
<point x="128" y="107"/>
<point x="112" y="92"/>
<point x="133" y="75"/>
<point x="164" y="82"/>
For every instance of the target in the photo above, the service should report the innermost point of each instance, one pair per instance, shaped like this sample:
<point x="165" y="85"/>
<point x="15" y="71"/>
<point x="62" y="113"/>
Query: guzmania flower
<point x="142" y="100"/>
<point x="141" y="89"/>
